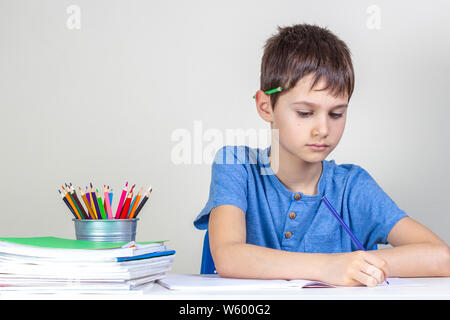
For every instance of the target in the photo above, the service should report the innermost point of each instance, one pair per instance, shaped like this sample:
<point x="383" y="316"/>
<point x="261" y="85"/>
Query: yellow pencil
<point x="86" y="202"/>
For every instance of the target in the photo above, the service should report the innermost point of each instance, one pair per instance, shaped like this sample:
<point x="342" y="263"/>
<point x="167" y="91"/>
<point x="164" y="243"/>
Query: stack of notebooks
<point x="49" y="264"/>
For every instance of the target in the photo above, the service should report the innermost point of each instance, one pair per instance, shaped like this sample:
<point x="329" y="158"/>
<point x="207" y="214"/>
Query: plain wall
<point x="100" y="103"/>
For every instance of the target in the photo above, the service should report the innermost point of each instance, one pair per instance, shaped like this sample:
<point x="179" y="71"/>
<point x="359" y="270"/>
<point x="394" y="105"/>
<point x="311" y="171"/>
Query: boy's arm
<point x="417" y="252"/>
<point x="234" y="258"/>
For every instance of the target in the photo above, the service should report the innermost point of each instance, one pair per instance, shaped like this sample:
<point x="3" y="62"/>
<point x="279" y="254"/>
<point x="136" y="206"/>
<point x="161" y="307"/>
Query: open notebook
<point x="215" y="282"/>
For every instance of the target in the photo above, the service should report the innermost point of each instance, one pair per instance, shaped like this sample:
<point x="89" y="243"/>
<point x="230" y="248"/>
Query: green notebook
<point x="61" y="243"/>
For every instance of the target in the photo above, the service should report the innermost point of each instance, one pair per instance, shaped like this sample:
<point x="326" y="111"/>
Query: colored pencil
<point x="100" y="204"/>
<point x="69" y="199"/>
<point x="272" y="91"/>
<point x="87" y="197"/>
<point x="126" y="206"/>
<point x="70" y="193"/>
<point x="95" y="201"/>
<point x="86" y="202"/>
<point x="110" y="196"/>
<point x="139" y="208"/>
<point x="131" y="206"/>
<point x="92" y="202"/>
<point x="122" y="199"/>
<point x="346" y="228"/>
<point x="107" y="202"/>
<point x="135" y="204"/>
<point x="67" y="204"/>
<point x="77" y="201"/>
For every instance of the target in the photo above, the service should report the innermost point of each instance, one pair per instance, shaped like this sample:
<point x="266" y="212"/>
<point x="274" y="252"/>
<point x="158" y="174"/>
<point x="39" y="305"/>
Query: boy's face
<point x="305" y="117"/>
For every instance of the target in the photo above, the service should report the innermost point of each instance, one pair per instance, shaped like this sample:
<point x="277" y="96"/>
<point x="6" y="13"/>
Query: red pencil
<point x="126" y="206"/>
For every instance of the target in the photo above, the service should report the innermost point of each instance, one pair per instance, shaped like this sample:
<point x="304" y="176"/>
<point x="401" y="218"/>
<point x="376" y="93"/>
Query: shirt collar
<point x="267" y="171"/>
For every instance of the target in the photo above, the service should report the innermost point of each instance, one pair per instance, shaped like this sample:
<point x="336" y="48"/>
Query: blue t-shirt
<point x="280" y="219"/>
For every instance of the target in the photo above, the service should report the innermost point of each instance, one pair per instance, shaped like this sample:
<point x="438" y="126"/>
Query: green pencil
<point x="100" y="204"/>
<point x="272" y="91"/>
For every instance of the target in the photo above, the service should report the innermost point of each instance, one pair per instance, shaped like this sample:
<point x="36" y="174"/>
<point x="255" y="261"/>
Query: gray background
<point x="100" y="103"/>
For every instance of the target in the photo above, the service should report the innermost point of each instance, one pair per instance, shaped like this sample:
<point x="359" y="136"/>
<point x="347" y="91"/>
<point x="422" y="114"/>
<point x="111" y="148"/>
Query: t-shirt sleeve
<point x="228" y="184"/>
<point x="372" y="212"/>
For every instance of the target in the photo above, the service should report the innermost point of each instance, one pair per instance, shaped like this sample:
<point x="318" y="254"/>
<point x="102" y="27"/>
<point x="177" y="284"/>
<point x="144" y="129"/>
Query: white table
<point x="433" y="288"/>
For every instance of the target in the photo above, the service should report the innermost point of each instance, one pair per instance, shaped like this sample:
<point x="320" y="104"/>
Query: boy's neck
<point x="297" y="175"/>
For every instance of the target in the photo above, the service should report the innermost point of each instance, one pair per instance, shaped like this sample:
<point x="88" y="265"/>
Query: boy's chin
<point x="313" y="157"/>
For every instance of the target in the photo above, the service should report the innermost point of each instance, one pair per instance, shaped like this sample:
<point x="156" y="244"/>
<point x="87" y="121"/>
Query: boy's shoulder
<point x="348" y="172"/>
<point x="241" y="154"/>
<point x="343" y="168"/>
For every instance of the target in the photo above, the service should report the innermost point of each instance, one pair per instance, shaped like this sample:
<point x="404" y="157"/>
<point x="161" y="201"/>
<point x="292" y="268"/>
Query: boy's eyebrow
<point x="311" y="104"/>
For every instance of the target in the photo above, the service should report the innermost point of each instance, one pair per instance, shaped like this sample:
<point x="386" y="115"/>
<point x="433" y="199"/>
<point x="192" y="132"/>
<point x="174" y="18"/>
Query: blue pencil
<point x="346" y="228"/>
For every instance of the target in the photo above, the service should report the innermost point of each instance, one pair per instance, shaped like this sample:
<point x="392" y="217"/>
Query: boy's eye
<point x="306" y="114"/>
<point x="335" y="115"/>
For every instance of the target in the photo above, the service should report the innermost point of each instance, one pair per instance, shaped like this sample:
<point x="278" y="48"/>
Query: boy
<point x="266" y="218"/>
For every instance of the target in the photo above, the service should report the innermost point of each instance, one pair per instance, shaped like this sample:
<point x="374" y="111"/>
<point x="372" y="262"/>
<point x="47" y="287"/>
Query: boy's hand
<point x="355" y="269"/>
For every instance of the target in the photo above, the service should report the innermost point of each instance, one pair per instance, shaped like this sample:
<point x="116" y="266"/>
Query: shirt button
<point x="292" y="215"/>
<point x="288" y="234"/>
<point x="297" y="196"/>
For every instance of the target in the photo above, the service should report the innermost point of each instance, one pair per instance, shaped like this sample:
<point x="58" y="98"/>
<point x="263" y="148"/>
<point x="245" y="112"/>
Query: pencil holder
<point x="115" y="230"/>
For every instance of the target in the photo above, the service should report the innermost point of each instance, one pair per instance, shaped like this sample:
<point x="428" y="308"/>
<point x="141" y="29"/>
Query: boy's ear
<point x="263" y="105"/>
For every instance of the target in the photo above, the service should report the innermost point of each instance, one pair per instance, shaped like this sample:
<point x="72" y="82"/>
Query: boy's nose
<point x="321" y="128"/>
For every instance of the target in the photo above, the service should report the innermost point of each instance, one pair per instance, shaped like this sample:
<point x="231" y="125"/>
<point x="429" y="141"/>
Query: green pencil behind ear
<point x="272" y="91"/>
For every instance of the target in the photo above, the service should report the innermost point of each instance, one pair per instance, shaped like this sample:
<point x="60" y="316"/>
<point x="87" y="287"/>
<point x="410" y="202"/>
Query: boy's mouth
<point x="318" y="147"/>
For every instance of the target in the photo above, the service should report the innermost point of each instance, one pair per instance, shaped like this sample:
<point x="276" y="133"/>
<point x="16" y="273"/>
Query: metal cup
<point x="114" y="230"/>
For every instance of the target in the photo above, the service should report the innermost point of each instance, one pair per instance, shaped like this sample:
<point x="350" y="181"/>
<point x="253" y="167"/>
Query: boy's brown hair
<point x="299" y="50"/>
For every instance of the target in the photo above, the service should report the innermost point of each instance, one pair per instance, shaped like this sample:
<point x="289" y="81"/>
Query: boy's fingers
<point x="365" y="279"/>
<point x="374" y="272"/>
<point x="378" y="263"/>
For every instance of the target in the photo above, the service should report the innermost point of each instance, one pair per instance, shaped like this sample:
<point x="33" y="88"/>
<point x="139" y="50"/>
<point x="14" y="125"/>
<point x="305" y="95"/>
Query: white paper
<point x="215" y="282"/>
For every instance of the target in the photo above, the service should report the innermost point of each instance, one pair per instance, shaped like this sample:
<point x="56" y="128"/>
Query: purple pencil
<point x="346" y="228"/>
<point x="94" y="198"/>
<point x="88" y="198"/>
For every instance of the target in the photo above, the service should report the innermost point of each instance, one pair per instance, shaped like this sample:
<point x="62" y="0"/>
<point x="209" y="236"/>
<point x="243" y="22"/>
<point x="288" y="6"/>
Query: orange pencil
<point x="133" y="209"/>
<point x="77" y="201"/>
<point x="67" y="203"/>
<point x="66" y="194"/>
